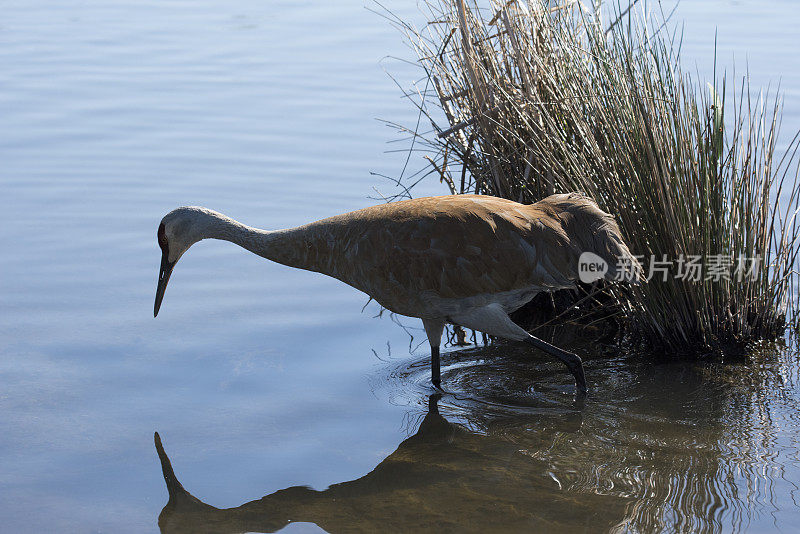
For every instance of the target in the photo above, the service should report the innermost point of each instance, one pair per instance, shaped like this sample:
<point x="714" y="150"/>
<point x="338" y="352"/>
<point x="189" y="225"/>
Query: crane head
<point x="177" y="232"/>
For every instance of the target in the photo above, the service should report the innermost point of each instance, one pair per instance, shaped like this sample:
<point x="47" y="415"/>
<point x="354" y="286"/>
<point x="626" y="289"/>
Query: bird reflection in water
<point x="684" y="446"/>
<point x="443" y="478"/>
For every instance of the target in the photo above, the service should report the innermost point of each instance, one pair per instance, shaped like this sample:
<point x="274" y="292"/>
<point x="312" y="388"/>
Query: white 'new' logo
<point x="591" y="267"/>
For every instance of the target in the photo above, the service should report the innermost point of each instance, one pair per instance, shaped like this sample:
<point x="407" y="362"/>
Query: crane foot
<point x="572" y="361"/>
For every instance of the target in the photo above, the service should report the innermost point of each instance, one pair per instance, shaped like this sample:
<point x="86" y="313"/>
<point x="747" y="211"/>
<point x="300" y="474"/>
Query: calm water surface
<point x="264" y="381"/>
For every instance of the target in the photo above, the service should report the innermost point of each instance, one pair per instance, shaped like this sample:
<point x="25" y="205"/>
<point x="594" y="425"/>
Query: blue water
<point x="259" y="377"/>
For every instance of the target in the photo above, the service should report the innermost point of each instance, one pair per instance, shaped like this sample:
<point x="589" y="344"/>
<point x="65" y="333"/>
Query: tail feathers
<point x="622" y="265"/>
<point x="626" y="268"/>
<point x="593" y="230"/>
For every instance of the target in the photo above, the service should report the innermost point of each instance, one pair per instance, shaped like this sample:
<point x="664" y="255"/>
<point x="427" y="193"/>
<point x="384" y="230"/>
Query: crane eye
<point x="162" y="238"/>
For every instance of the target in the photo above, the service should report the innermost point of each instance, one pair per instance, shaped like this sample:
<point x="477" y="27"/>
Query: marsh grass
<point x="525" y="99"/>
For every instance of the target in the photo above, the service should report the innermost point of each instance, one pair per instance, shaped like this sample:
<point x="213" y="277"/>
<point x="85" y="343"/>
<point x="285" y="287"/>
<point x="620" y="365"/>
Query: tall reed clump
<point x="530" y="98"/>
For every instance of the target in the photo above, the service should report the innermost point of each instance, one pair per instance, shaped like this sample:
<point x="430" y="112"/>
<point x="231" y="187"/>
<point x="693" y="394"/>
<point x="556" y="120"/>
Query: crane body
<point x="467" y="260"/>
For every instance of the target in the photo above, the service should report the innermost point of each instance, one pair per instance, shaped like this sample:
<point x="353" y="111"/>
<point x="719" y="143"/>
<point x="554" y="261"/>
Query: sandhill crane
<point x="467" y="260"/>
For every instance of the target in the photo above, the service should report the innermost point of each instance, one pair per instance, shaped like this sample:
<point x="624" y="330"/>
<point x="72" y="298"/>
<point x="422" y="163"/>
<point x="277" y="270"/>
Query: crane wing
<point x="460" y="249"/>
<point x="461" y="246"/>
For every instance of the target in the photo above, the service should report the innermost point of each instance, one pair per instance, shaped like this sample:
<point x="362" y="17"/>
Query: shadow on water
<point x="701" y="447"/>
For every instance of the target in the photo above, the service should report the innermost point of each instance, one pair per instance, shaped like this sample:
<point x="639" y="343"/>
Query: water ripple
<point x="699" y="447"/>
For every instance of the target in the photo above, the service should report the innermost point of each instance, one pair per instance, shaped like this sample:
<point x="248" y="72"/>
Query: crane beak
<point x="163" y="278"/>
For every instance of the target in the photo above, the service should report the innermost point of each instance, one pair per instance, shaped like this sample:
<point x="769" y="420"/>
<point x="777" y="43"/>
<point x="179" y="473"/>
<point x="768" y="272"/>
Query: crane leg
<point x="493" y="320"/>
<point x="434" y="329"/>
<point x="436" y="372"/>
<point x="572" y="361"/>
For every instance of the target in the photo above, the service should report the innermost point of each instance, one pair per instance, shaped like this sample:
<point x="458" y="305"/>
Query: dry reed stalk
<point x="533" y="97"/>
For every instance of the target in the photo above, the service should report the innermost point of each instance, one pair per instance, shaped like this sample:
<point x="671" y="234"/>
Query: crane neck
<point x="281" y="246"/>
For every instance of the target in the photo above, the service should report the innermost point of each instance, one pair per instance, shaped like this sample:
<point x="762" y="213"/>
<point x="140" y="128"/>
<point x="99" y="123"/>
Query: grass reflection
<point x="701" y="447"/>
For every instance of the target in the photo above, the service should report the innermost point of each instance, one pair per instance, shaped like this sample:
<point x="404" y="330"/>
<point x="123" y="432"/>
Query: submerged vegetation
<point x="530" y="98"/>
